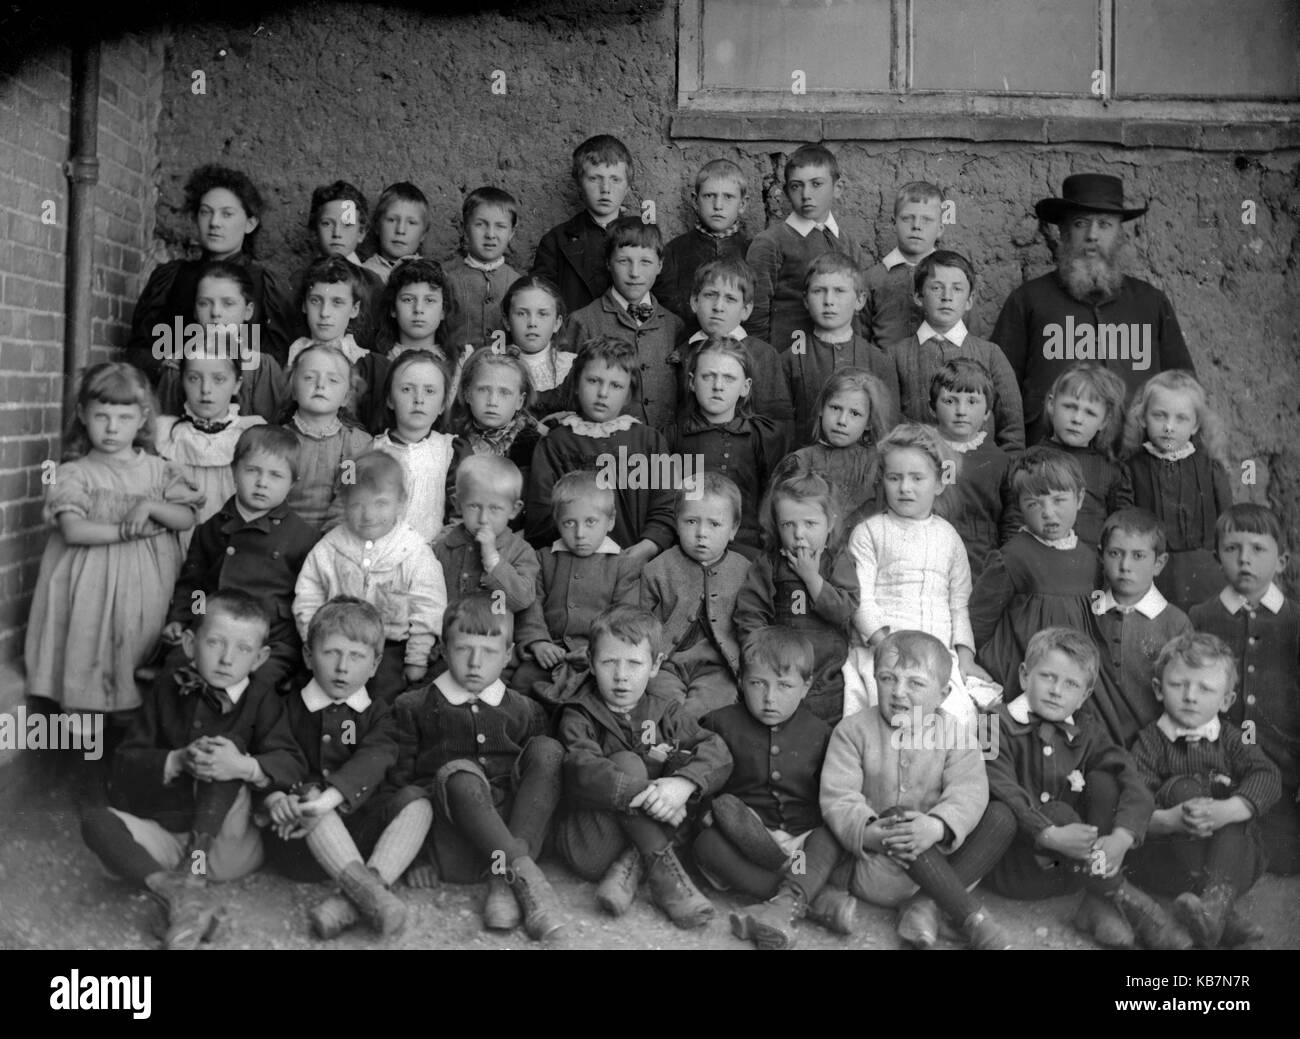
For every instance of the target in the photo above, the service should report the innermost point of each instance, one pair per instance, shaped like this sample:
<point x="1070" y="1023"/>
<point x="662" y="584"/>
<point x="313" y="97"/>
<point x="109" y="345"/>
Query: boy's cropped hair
<point x="1199" y="649"/>
<point x="714" y="485"/>
<point x="722" y="169"/>
<point x="276" y="441"/>
<point x="812" y="155"/>
<point x="917" y="191"/>
<point x="942" y="258"/>
<point x="601" y="150"/>
<point x="402" y="191"/>
<point x="238" y="606"/>
<point x="836" y="263"/>
<point x="332" y="270"/>
<point x="492" y="471"/>
<point x="1044" y="470"/>
<point x="373" y="471"/>
<point x="730" y="271"/>
<point x="1249" y="518"/>
<point x="632" y="231"/>
<point x="1074" y="644"/>
<point x="630" y="624"/>
<point x="477" y="615"/>
<point x="963" y="375"/>
<point x="1139" y="522"/>
<point x="353" y="618"/>
<point x="580" y="485"/>
<point x="916" y="649"/>
<point x="339" y="191"/>
<point x="489" y="196"/>
<point x="779" y="648"/>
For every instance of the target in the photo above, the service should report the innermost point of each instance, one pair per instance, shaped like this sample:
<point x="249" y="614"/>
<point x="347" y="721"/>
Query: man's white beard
<point x="1089" y="278"/>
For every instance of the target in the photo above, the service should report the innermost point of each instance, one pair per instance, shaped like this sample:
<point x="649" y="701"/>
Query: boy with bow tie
<point x="209" y="730"/>
<point x="1079" y="800"/>
<point x="634" y="255"/>
<point x="1211" y="786"/>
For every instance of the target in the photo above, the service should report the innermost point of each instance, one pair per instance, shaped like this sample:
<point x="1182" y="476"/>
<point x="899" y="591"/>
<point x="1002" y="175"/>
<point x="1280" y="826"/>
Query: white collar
<point x="1172" y="730"/>
<point x="457" y="695"/>
<point x="487" y="268"/>
<point x="1233" y="600"/>
<point x="608" y="547"/>
<point x="1071" y="540"/>
<point x="237" y="690"/>
<point x="314" y="698"/>
<point x="624" y="304"/>
<point x="895" y="257"/>
<point x="377" y="544"/>
<point x="1186" y="451"/>
<point x="600" y="430"/>
<point x="1151" y="605"/>
<point x="353" y="258"/>
<point x="1019" y="710"/>
<point x="803" y="227"/>
<point x="962" y="446"/>
<point x="232" y="413"/>
<point x="738" y="334"/>
<point x="955" y="335"/>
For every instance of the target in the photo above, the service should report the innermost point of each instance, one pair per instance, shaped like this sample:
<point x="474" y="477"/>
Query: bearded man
<point x="1087" y="309"/>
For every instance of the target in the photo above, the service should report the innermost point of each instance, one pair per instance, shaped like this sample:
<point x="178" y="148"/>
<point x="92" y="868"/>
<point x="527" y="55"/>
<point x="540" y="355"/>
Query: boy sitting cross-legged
<point x="1212" y="784"/>
<point x="480" y="753"/>
<point x="209" y="730"/>
<point x="767" y="839"/>
<point x="328" y="821"/>
<point x="635" y="768"/>
<point x="904" y="790"/>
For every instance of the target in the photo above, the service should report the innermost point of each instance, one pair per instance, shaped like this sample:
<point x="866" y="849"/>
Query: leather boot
<point x="770" y="924"/>
<point x="501" y="910"/>
<point x="1150" y="923"/>
<point x="331" y="918"/>
<point x="378" y="906"/>
<point x="1100" y="918"/>
<point x="918" y="922"/>
<point x="192" y="915"/>
<point x="617" y="889"/>
<point x="675" y="893"/>
<point x="537" y="900"/>
<point x="1204" y="916"/>
<point x="983" y="932"/>
<point x="837" y="911"/>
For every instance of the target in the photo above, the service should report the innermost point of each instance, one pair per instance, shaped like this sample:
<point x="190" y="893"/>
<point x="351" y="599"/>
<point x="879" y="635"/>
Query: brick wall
<point x="34" y="143"/>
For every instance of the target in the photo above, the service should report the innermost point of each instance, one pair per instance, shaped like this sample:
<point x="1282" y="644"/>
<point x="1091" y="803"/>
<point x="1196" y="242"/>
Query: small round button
<point x="326" y="738"/>
<point x="776" y="749"/>
<point x="776" y="774"/>
<point x="1044" y="797"/>
<point x="1251" y="699"/>
<point x="230" y="550"/>
<point x="481" y="738"/>
<point x="1047" y="752"/>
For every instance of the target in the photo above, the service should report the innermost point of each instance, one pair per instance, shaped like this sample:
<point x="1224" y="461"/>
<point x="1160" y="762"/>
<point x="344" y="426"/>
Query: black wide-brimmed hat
<point x="1090" y="192"/>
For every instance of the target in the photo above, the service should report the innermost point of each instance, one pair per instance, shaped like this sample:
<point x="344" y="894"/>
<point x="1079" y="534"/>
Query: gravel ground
<point x="55" y="895"/>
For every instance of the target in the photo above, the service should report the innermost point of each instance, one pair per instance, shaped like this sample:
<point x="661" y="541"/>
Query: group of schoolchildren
<point x="411" y="627"/>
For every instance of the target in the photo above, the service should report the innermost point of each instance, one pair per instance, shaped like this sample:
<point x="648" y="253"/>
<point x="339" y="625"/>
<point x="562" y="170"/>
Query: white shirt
<point x="608" y="547"/>
<point x="1172" y="730"/>
<point x="803" y="227"/>
<point x="955" y="335"/>
<point x="738" y="334"/>
<point x="456" y="694"/>
<point x="1151" y="605"/>
<point x="1233" y="601"/>
<point x="314" y="698"/>
<point x="1019" y="710"/>
<point x="237" y="690"/>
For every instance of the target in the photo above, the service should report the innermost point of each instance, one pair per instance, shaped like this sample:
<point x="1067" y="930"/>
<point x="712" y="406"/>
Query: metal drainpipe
<point x="82" y="171"/>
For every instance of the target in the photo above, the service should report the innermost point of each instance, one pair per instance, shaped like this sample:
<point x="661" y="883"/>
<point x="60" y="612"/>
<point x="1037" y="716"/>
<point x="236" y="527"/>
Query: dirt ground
<point x="55" y="895"/>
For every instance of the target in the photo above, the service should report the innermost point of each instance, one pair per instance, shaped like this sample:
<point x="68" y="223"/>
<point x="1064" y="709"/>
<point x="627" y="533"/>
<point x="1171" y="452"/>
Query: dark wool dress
<point x="1026" y="587"/>
<point x="1187" y="496"/>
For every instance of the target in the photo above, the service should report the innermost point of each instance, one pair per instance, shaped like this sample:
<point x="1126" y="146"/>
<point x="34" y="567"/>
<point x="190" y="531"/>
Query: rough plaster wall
<point x="375" y="95"/>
